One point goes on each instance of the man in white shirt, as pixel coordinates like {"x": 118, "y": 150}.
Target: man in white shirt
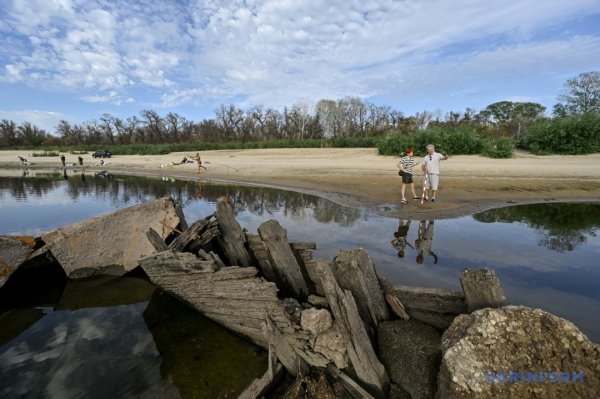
{"x": 431, "y": 166}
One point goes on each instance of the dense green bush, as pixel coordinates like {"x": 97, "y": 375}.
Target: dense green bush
{"x": 461, "y": 140}
{"x": 502, "y": 147}
{"x": 578, "y": 134}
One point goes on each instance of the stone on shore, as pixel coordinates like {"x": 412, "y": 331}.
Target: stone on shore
{"x": 410, "y": 351}
{"x": 112, "y": 243}
{"x": 517, "y": 339}
{"x": 13, "y": 252}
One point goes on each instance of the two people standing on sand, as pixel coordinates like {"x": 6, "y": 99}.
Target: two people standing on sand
{"x": 430, "y": 165}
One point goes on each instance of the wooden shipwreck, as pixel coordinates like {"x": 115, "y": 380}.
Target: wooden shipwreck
{"x": 310, "y": 314}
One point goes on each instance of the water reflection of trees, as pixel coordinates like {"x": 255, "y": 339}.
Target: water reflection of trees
{"x": 563, "y": 226}
{"x": 122, "y": 191}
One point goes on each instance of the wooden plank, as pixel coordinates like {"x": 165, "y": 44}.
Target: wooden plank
{"x": 232, "y": 239}
{"x": 156, "y": 240}
{"x": 348, "y": 383}
{"x": 204, "y": 241}
{"x": 180, "y": 242}
{"x": 431, "y": 299}
{"x": 367, "y": 366}
{"x": 231, "y": 296}
{"x": 482, "y": 289}
{"x": 395, "y": 304}
{"x": 261, "y": 254}
{"x": 302, "y": 246}
{"x": 293, "y": 363}
{"x": 354, "y": 271}
{"x": 183, "y": 226}
{"x": 286, "y": 267}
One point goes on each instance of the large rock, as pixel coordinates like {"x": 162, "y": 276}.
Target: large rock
{"x": 13, "y": 252}
{"x": 489, "y": 344}
{"x": 112, "y": 243}
{"x": 410, "y": 351}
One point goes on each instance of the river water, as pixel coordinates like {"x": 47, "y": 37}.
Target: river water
{"x": 120, "y": 337}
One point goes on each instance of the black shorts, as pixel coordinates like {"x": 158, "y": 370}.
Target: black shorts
{"x": 407, "y": 178}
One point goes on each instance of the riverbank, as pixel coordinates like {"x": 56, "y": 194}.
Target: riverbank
{"x": 360, "y": 177}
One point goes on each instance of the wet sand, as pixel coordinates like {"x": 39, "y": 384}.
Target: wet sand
{"x": 359, "y": 177}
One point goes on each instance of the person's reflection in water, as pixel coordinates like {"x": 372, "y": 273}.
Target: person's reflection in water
{"x": 400, "y": 242}
{"x": 423, "y": 243}
{"x": 65, "y": 174}
{"x": 82, "y": 176}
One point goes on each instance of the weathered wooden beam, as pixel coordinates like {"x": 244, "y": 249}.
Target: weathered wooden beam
{"x": 367, "y": 366}
{"x": 293, "y": 363}
{"x": 301, "y": 246}
{"x": 261, "y": 254}
{"x": 286, "y": 267}
{"x": 392, "y": 300}
{"x": 204, "y": 241}
{"x": 183, "y": 226}
{"x": 482, "y": 289}
{"x": 231, "y": 296}
{"x": 348, "y": 383}
{"x": 431, "y": 299}
{"x": 156, "y": 240}
{"x": 182, "y": 241}
{"x": 308, "y": 267}
{"x": 232, "y": 239}
{"x": 354, "y": 271}
{"x": 211, "y": 256}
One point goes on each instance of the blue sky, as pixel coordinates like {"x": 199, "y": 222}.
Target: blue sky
{"x": 77, "y": 59}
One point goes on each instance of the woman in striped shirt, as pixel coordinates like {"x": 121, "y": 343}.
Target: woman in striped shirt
{"x": 405, "y": 165}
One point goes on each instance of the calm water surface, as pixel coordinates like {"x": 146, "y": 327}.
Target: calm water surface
{"x": 546, "y": 256}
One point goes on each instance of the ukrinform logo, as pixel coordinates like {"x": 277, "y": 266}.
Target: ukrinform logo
{"x": 534, "y": 376}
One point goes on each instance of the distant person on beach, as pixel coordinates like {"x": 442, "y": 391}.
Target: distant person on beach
{"x": 423, "y": 243}
{"x": 80, "y": 160}
{"x": 22, "y": 160}
{"x": 400, "y": 237}
{"x": 199, "y": 160}
{"x": 431, "y": 166}
{"x": 405, "y": 165}
{"x": 62, "y": 159}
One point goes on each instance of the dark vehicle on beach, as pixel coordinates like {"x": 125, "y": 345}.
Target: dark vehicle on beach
{"x": 102, "y": 154}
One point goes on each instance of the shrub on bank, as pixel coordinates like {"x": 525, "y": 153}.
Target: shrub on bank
{"x": 457, "y": 141}
{"x": 579, "y": 134}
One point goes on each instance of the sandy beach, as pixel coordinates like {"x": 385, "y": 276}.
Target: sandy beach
{"x": 360, "y": 177}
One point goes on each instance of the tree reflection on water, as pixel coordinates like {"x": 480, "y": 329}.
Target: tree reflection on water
{"x": 121, "y": 191}
{"x": 562, "y": 226}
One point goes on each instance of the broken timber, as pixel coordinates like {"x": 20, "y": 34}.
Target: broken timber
{"x": 285, "y": 266}
{"x": 232, "y": 238}
{"x": 482, "y": 289}
{"x": 232, "y": 296}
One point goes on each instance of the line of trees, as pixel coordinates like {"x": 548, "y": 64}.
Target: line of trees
{"x": 346, "y": 117}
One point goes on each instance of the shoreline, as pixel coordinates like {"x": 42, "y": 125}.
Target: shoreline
{"x": 360, "y": 178}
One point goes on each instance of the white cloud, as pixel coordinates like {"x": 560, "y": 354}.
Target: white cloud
{"x": 275, "y": 52}
{"x": 43, "y": 119}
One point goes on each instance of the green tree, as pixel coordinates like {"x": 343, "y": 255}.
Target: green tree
{"x": 582, "y": 96}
